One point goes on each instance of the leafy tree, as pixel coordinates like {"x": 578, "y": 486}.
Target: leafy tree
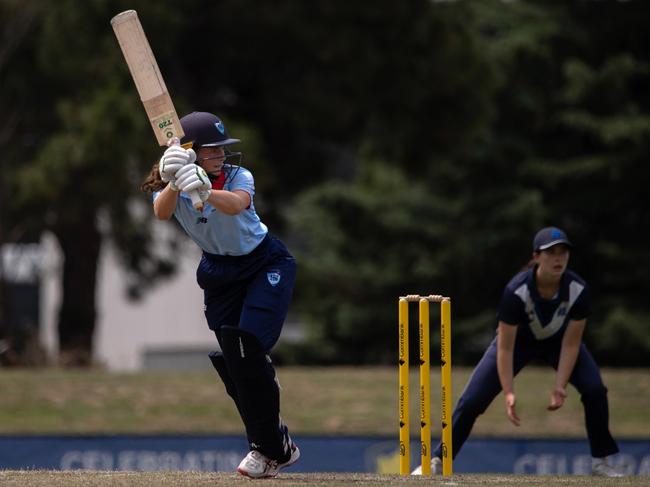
{"x": 566, "y": 131}
{"x": 17, "y": 138}
{"x": 363, "y": 246}
{"x": 81, "y": 142}
{"x": 595, "y": 168}
{"x": 401, "y": 226}
{"x": 321, "y": 78}
{"x": 434, "y": 137}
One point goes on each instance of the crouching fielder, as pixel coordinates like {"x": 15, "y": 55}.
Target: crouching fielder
{"x": 542, "y": 315}
{"x": 247, "y": 277}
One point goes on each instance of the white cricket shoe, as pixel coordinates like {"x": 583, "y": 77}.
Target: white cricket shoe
{"x": 436, "y": 467}
{"x": 257, "y": 466}
{"x": 600, "y": 467}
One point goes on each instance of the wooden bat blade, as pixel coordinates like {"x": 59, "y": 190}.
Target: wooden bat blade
{"x": 149, "y": 82}
{"x": 146, "y": 75}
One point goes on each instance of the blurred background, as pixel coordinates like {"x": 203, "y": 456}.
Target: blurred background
{"x": 397, "y": 147}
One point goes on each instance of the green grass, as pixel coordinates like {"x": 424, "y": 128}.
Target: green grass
{"x": 199, "y": 479}
{"x": 330, "y": 401}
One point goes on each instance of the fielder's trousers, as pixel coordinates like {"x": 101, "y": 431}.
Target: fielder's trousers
{"x": 484, "y": 386}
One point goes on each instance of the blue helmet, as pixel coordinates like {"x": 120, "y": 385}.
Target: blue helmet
{"x": 204, "y": 129}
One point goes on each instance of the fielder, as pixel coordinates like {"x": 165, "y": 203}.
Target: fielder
{"x": 247, "y": 277}
{"x": 542, "y": 315}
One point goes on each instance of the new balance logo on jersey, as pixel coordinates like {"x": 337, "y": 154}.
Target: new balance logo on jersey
{"x": 201, "y": 219}
{"x": 273, "y": 277}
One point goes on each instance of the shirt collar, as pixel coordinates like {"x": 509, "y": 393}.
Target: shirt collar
{"x": 563, "y": 291}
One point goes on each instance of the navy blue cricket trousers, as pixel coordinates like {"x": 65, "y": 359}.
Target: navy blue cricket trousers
{"x": 483, "y": 386}
{"x": 251, "y": 294}
{"x": 252, "y": 291}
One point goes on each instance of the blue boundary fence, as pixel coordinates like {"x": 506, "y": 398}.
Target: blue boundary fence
{"x": 319, "y": 454}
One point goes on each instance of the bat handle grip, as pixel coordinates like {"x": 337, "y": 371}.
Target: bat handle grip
{"x": 194, "y": 195}
{"x": 196, "y": 200}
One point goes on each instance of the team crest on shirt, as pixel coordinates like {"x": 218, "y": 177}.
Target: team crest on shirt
{"x": 273, "y": 277}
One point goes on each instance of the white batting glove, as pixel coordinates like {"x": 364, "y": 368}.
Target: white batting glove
{"x": 192, "y": 177}
{"x": 174, "y": 158}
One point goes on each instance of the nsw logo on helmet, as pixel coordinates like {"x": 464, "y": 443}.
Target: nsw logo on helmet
{"x": 220, "y": 127}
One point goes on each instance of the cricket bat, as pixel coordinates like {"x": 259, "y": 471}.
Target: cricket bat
{"x": 149, "y": 83}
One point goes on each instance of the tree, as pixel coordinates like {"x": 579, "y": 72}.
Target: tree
{"x": 566, "y": 131}
{"x": 78, "y": 101}
{"x": 400, "y": 224}
{"x": 321, "y": 79}
{"x": 595, "y": 169}
{"x": 17, "y": 22}
{"x": 484, "y": 116}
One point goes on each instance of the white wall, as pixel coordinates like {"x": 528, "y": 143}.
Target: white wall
{"x": 171, "y": 315}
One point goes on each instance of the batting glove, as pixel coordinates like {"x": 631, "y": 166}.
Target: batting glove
{"x": 174, "y": 158}
{"x": 192, "y": 177}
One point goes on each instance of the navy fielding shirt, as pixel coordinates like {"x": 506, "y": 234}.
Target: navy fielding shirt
{"x": 539, "y": 318}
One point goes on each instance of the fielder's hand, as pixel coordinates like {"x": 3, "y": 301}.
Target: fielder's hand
{"x": 192, "y": 177}
{"x": 557, "y": 398}
{"x": 174, "y": 158}
{"x": 510, "y": 409}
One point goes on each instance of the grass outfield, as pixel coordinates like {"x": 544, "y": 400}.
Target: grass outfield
{"x": 320, "y": 401}
{"x": 197, "y": 479}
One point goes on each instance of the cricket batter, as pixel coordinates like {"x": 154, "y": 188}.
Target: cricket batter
{"x": 542, "y": 315}
{"x": 247, "y": 277}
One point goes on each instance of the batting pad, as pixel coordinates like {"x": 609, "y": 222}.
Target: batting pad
{"x": 219, "y": 363}
{"x": 257, "y": 391}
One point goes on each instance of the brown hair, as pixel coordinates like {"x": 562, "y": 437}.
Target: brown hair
{"x": 531, "y": 263}
{"x": 153, "y": 182}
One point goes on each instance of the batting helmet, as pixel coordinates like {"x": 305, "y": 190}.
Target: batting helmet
{"x": 205, "y": 130}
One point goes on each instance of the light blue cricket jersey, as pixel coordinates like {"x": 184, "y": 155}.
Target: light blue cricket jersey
{"x": 218, "y": 233}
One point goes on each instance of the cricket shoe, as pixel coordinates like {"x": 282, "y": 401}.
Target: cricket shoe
{"x": 602, "y": 468}
{"x": 436, "y": 467}
{"x": 257, "y": 466}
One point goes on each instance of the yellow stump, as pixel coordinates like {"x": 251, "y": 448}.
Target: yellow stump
{"x": 425, "y": 389}
{"x": 404, "y": 428}
{"x": 445, "y": 385}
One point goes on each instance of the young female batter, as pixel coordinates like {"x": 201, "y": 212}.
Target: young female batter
{"x": 247, "y": 277}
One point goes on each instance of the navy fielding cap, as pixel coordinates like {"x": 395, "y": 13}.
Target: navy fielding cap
{"x": 548, "y": 237}
{"x": 205, "y": 130}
